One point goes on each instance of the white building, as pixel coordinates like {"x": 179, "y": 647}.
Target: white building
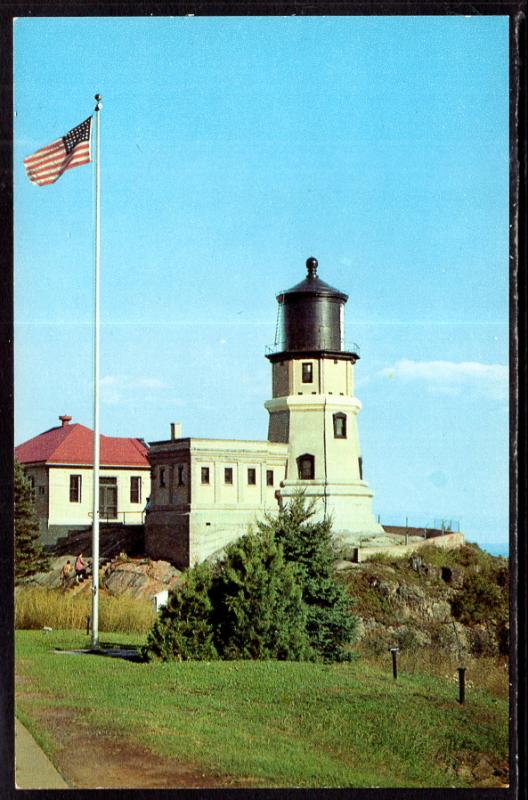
{"x": 59, "y": 464}
{"x": 205, "y": 492}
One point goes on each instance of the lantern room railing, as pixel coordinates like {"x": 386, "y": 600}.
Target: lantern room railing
{"x": 280, "y": 346}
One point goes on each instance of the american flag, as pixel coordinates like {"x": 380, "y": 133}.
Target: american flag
{"x": 47, "y": 164}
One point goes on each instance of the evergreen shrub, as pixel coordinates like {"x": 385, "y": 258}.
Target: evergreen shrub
{"x": 274, "y": 595}
{"x": 308, "y": 546}
{"x": 29, "y": 556}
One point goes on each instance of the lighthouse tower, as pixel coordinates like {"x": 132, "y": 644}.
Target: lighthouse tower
{"x": 314, "y": 409}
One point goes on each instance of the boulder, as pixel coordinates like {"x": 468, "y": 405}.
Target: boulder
{"x": 139, "y": 578}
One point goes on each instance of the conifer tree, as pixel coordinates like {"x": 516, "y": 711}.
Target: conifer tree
{"x": 308, "y": 545}
{"x": 183, "y": 628}
{"x": 29, "y": 556}
{"x": 248, "y": 606}
{"x": 258, "y": 610}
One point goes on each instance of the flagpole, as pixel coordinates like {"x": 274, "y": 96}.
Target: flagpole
{"x": 96, "y": 437}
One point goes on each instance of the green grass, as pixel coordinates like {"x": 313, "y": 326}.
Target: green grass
{"x": 277, "y": 723}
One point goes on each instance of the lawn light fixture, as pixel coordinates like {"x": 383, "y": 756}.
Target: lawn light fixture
{"x": 394, "y": 651}
{"x": 461, "y": 685}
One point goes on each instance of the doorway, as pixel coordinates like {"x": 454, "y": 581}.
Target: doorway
{"x": 108, "y": 498}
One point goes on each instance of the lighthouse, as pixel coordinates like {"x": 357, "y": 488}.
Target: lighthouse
{"x": 314, "y": 409}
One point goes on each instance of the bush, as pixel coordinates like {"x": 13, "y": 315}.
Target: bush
{"x": 479, "y": 600}
{"x": 273, "y": 595}
{"x": 183, "y": 628}
{"x": 258, "y": 608}
{"x": 308, "y": 546}
{"x": 248, "y": 606}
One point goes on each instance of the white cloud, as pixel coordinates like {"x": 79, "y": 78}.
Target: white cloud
{"x": 454, "y": 378}
{"x": 117, "y": 388}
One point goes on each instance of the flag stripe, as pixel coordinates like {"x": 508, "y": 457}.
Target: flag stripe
{"x": 40, "y": 154}
{"x": 46, "y": 165}
{"x": 81, "y": 152}
{"x": 45, "y": 177}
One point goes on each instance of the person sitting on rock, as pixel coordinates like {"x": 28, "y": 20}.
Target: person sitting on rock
{"x": 80, "y": 568}
{"x": 66, "y": 575}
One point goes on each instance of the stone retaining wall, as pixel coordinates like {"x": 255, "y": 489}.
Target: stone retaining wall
{"x": 447, "y": 541}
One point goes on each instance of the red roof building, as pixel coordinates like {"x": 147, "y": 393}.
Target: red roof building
{"x": 59, "y": 464}
{"x": 73, "y": 444}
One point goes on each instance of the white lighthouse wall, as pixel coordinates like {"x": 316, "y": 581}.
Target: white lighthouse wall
{"x": 310, "y": 408}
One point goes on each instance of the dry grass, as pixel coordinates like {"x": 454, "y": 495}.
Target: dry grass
{"x": 38, "y": 607}
{"x": 489, "y": 674}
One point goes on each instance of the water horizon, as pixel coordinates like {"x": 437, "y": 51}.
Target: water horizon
{"x": 495, "y": 548}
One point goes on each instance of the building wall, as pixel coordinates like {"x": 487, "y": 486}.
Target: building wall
{"x": 64, "y": 512}
{"x": 310, "y": 409}
{"x": 167, "y": 536}
{"x": 332, "y": 376}
{"x": 188, "y": 529}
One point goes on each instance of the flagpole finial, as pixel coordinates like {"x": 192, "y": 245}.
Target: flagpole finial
{"x": 98, "y": 105}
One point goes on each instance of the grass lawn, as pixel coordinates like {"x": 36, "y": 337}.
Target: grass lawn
{"x": 268, "y": 723}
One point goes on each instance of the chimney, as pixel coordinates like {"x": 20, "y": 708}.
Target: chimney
{"x": 65, "y": 419}
{"x": 175, "y": 430}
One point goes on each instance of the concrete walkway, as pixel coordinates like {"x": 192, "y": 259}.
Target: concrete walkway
{"x": 33, "y": 769}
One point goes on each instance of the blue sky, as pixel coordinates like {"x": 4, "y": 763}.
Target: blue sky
{"x": 233, "y": 149}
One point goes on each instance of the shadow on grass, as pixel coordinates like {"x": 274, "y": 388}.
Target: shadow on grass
{"x": 126, "y": 651}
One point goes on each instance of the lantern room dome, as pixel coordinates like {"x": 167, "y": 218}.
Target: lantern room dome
{"x": 312, "y": 285}
{"x": 311, "y": 319}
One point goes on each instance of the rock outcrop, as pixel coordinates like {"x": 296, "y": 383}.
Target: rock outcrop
{"x": 139, "y": 577}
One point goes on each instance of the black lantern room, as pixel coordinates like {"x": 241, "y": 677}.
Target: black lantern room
{"x": 312, "y": 319}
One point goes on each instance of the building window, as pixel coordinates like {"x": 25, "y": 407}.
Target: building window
{"x": 162, "y": 477}
{"x": 135, "y": 489}
{"x": 41, "y": 490}
{"x": 228, "y": 475}
{"x": 252, "y": 476}
{"x": 180, "y": 475}
{"x": 306, "y": 464}
{"x": 307, "y": 372}
{"x": 340, "y": 427}
{"x": 75, "y": 488}
{"x": 269, "y": 477}
{"x": 205, "y": 474}
{"x": 360, "y": 462}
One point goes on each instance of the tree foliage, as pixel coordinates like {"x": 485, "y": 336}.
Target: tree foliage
{"x": 273, "y": 595}
{"x": 308, "y": 546}
{"x": 183, "y": 629}
{"x": 29, "y": 556}
{"x": 258, "y": 610}
{"x": 482, "y": 598}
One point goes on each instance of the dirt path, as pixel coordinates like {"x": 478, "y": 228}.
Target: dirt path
{"x": 91, "y": 759}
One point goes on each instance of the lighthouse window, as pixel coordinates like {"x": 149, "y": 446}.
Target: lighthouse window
{"x": 340, "y": 431}
{"x": 252, "y": 476}
{"x": 180, "y": 475}
{"x": 162, "y": 477}
{"x": 306, "y": 464}
{"x": 307, "y": 372}
{"x": 205, "y": 474}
